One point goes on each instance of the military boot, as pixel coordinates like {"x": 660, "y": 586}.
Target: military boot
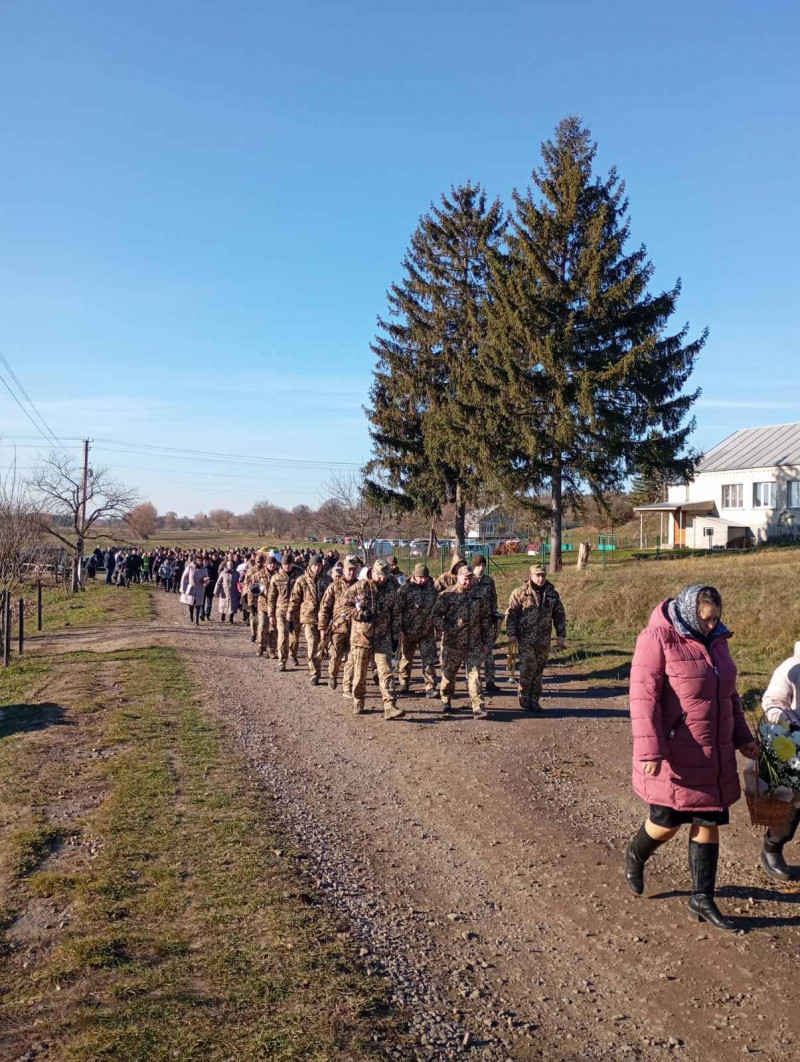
{"x": 333, "y": 683}
{"x": 358, "y": 707}
{"x": 393, "y": 712}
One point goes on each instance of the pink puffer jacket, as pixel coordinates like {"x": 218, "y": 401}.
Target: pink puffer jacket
{"x": 672, "y": 675}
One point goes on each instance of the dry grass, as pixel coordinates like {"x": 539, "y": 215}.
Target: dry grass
{"x": 607, "y": 608}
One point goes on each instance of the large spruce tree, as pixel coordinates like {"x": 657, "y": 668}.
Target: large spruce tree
{"x": 580, "y": 383}
{"x": 422, "y": 427}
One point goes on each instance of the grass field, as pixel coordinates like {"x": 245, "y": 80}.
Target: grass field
{"x": 150, "y": 905}
{"x": 607, "y": 608}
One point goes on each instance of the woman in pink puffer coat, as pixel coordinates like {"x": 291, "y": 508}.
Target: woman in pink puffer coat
{"x": 687, "y": 725}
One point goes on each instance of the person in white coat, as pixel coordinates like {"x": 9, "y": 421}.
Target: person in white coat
{"x": 193, "y": 587}
{"x": 781, "y": 704}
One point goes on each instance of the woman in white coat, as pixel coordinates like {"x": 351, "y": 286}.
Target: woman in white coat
{"x": 227, "y": 592}
{"x": 193, "y": 585}
{"x": 781, "y": 704}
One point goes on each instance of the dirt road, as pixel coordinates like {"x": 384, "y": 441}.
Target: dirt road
{"x": 480, "y": 863}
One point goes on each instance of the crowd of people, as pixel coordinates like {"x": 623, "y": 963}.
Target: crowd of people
{"x": 687, "y": 716}
{"x": 373, "y": 619}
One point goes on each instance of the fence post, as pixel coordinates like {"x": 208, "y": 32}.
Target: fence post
{"x": 21, "y": 625}
{"x": 6, "y": 628}
{"x": 39, "y": 607}
{"x": 3, "y": 627}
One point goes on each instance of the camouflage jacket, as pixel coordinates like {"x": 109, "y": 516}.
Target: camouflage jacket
{"x": 382, "y": 627}
{"x": 462, "y": 619}
{"x": 307, "y": 596}
{"x": 281, "y": 586}
{"x": 531, "y": 615}
{"x": 416, "y": 601}
{"x": 263, "y": 598}
{"x": 485, "y": 588}
{"x": 254, "y": 574}
{"x": 330, "y": 611}
{"x": 450, "y": 577}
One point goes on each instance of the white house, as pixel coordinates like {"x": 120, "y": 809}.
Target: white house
{"x": 747, "y": 489}
{"x": 488, "y": 525}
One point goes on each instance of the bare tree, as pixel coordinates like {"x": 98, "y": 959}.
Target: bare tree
{"x": 59, "y": 483}
{"x": 21, "y": 536}
{"x": 347, "y": 511}
{"x": 142, "y": 518}
{"x": 260, "y": 517}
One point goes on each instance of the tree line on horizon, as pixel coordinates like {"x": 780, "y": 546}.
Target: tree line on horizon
{"x": 523, "y": 357}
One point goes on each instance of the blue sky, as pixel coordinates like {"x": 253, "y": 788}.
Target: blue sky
{"x": 204, "y": 204}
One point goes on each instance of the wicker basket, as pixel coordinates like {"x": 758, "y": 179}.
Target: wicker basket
{"x": 766, "y": 810}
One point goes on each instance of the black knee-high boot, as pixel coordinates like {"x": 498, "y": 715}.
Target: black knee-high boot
{"x": 191, "y": 613}
{"x": 703, "y": 861}
{"x": 772, "y": 861}
{"x": 639, "y": 851}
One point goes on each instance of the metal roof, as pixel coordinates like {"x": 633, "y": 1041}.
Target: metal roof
{"x": 671, "y": 507}
{"x": 755, "y": 448}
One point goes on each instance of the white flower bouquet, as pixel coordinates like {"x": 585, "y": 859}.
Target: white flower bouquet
{"x": 772, "y": 783}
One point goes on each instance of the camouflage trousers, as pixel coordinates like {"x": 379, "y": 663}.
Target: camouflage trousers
{"x": 453, "y": 659}
{"x": 253, "y": 621}
{"x": 266, "y": 635}
{"x": 361, "y": 659}
{"x": 488, "y": 660}
{"x": 341, "y": 657}
{"x": 288, "y": 641}
{"x": 427, "y": 655}
{"x": 313, "y": 649}
{"x": 532, "y": 660}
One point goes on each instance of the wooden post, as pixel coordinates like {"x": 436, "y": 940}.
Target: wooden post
{"x": 21, "y": 624}
{"x": 584, "y": 549}
{"x": 7, "y": 628}
{"x": 39, "y": 607}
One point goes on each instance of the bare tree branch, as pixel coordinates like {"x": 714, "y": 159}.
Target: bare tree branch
{"x": 60, "y": 482}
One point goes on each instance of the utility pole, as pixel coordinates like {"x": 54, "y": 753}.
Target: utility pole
{"x": 82, "y": 518}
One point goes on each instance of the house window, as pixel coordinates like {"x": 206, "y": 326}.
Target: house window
{"x": 793, "y": 494}
{"x": 733, "y": 496}
{"x": 763, "y": 495}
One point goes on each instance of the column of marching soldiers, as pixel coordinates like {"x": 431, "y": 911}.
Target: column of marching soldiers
{"x": 363, "y": 617}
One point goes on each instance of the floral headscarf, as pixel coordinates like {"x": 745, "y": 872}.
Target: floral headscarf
{"x": 682, "y": 612}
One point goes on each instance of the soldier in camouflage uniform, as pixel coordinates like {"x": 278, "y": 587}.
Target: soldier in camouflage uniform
{"x": 253, "y": 577}
{"x": 371, "y": 606}
{"x": 415, "y": 599}
{"x": 461, "y": 618}
{"x": 280, "y": 615}
{"x": 533, "y": 610}
{"x": 267, "y": 633}
{"x": 450, "y": 577}
{"x": 335, "y": 628}
{"x": 306, "y": 599}
{"x": 485, "y": 588}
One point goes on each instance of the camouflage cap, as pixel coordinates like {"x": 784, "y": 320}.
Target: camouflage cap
{"x": 538, "y": 569}
{"x": 381, "y": 567}
{"x": 351, "y": 565}
{"x": 315, "y": 559}
{"x": 420, "y": 570}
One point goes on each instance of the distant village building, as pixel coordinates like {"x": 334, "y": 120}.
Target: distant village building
{"x": 489, "y": 525}
{"x": 747, "y": 490}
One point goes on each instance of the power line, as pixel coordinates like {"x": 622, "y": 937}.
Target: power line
{"x": 24, "y": 410}
{"x": 117, "y": 446}
{"x": 28, "y": 398}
